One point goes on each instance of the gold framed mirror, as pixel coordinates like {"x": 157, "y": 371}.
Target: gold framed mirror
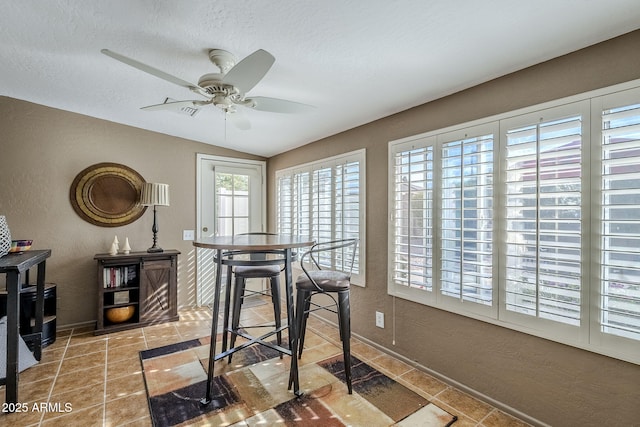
{"x": 107, "y": 194}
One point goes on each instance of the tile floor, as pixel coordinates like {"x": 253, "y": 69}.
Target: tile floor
{"x": 88, "y": 380}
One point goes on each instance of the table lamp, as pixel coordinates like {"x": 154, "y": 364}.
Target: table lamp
{"x": 154, "y": 194}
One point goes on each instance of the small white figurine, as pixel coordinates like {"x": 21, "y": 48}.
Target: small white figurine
{"x": 126, "y": 249}
{"x": 114, "y": 249}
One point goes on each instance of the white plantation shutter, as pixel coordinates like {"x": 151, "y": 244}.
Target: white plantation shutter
{"x": 347, "y": 207}
{"x": 322, "y": 205}
{"x": 325, "y": 201}
{"x": 467, "y": 219}
{"x": 322, "y": 211}
{"x": 529, "y": 220}
{"x": 301, "y": 205}
{"x": 543, "y": 219}
{"x": 620, "y": 223}
{"x": 284, "y": 200}
{"x": 412, "y": 217}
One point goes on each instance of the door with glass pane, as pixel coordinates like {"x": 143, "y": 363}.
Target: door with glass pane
{"x": 230, "y": 201}
{"x": 234, "y": 198}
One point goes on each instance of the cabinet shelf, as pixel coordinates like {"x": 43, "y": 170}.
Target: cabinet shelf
{"x": 121, "y": 288}
{"x": 146, "y": 281}
{"x": 28, "y": 310}
{"x": 125, "y": 304}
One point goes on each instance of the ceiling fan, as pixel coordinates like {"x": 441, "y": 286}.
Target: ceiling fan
{"x": 226, "y": 89}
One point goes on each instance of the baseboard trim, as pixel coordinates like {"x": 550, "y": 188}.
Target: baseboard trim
{"x": 62, "y": 328}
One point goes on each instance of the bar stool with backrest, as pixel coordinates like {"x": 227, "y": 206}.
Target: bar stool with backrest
{"x": 317, "y": 279}
{"x": 240, "y": 292}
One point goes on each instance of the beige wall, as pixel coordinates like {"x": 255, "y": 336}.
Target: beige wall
{"x": 43, "y": 149}
{"x": 556, "y": 384}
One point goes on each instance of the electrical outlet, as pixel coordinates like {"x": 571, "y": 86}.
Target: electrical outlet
{"x": 379, "y": 319}
{"x": 187, "y": 235}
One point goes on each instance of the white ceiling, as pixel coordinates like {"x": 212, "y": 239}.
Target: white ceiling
{"x": 355, "y": 60}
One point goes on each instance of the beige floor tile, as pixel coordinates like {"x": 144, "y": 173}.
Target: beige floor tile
{"x": 53, "y": 353}
{"x": 85, "y": 338}
{"x": 161, "y": 342}
{"x": 125, "y": 339}
{"x": 82, "y": 349}
{"x": 420, "y": 381}
{"x": 125, "y": 352}
{"x": 88, "y": 417}
{"x": 463, "y": 403}
{"x": 121, "y": 368}
{"x": 78, "y": 399}
{"x": 89, "y": 361}
{"x": 35, "y": 391}
{"x": 130, "y": 407}
{"x": 26, "y": 417}
{"x": 38, "y": 372}
{"x": 499, "y": 419}
{"x": 390, "y": 366}
{"x": 364, "y": 351}
{"x": 78, "y": 379}
{"x": 123, "y": 386}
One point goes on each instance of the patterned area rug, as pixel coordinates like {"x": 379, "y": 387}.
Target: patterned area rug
{"x": 252, "y": 391}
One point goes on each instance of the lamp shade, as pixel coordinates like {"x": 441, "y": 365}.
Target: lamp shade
{"x": 154, "y": 194}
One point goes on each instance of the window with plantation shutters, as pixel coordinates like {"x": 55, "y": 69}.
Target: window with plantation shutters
{"x": 412, "y": 217}
{"x": 325, "y": 200}
{"x": 543, "y": 215}
{"x": 467, "y": 219}
{"x": 620, "y": 222}
{"x": 529, "y": 220}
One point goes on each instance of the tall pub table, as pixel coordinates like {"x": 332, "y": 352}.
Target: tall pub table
{"x": 227, "y": 250}
{"x": 14, "y": 266}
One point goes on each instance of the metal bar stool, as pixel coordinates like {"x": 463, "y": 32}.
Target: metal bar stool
{"x": 318, "y": 279}
{"x": 258, "y": 268}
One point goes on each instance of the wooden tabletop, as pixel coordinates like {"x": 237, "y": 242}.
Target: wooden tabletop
{"x": 255, "y": 242}
{"x": 22, "y": 261}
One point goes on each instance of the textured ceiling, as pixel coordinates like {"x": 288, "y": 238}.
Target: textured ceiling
{"x": 355, "y": 61}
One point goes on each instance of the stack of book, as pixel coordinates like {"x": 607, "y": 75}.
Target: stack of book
{"x": 117, "y": 277}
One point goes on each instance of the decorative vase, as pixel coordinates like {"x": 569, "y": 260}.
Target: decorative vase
{"x": 120, "y": 314}
{"x": 5, "y": 236}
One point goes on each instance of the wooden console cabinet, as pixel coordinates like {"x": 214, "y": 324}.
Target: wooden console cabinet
{"x": 147, "y": 282}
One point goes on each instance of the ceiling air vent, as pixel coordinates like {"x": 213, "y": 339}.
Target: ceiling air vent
{"x": 188, "y": 110}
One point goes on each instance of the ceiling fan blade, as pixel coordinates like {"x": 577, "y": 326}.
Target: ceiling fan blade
{"x": 239, "y": 120}
{"x": 173, "y": 106}
{"x": 276, "y": 105}
{"x": 153, "y": 71}
{"x": 248, "y": 72}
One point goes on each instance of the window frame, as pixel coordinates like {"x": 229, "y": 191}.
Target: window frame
{"x": 587, "y": 335}
{"x": 358, "y": 276}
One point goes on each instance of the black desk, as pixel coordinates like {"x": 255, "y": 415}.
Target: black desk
{"x": 14, "y": 265}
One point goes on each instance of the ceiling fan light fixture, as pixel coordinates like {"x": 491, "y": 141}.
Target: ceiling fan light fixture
{"x": 221, "y": 101}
